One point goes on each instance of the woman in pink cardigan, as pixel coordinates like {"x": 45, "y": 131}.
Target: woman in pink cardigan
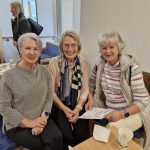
{"x": 69, "y": 73}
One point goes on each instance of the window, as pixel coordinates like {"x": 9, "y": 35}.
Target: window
{"x": 68, "y": 15}
{"x": 65, "y": 15}
{"x": 29, "y": 7}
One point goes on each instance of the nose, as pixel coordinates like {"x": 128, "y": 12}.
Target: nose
{"x": 107, "y": 49}
{"x": 32, "y": 51}
{"x": 70, "y": 48}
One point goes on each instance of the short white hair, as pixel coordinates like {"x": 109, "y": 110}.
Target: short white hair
{"x": 111, "y": 37}
{"x": 32, "y": 36}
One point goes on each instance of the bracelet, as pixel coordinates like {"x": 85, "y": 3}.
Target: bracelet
{"x": 79, "y": 106}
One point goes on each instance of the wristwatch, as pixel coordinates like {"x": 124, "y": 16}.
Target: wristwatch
{"x": 45, "y": 113}
{"x": 126, "y": 113}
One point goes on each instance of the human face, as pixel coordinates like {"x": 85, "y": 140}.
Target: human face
{"x": 13, "y": 10}
{"x": 70, "y": 48}
{"x": 110, "y": 53}
{"x": 30, "y": 51}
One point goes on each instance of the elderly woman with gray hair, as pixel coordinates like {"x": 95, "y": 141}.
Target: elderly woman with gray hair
{"x": 25, "y": 100}
{"x": 20, "y": 24}
{"x": 117, "y": 83}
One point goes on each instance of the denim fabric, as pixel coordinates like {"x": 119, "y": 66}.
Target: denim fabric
{"x": 5, "y": 142}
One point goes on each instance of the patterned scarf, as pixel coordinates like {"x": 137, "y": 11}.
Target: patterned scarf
{"x": 69, "y": 93}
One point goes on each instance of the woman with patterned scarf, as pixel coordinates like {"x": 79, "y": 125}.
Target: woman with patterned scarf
{"x": 69, "y": 73}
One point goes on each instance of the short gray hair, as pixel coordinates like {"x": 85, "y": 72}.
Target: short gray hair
{"x": 111, "y": 37}
{"x": 32, "y": 36}
{"x": 18, "y": 6}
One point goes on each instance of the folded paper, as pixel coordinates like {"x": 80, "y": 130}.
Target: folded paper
{"x": 95, "y": 113}
{"x": 101, "y": 133}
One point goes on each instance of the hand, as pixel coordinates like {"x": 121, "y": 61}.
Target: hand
{"x": 68, "y": 112}
{"x": 75, "y": 115}
{"x": 39, "y": 122}
{"x": 89, "y": 105}
{"x": 114, "y": 116}
{"x": 36, "y": 131}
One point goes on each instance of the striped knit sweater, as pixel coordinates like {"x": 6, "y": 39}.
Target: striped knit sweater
{"x": 111, "y": 85}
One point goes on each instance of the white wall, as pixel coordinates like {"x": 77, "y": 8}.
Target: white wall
{"x": 130, "y": 17}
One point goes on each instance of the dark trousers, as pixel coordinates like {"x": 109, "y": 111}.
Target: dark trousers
{"x": 73, "y": 133}
{"x": 50, "y": 139}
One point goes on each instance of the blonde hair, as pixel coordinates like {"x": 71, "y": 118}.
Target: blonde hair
{"x": 18, "y": 7}
{"x": 72, "y": 34}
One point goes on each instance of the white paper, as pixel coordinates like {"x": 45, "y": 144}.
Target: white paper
{"x": 95, "y": 113}
{"x": 101, "y": 133}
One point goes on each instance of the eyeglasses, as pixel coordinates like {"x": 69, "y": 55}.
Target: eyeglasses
{"x": 72, "y": 45}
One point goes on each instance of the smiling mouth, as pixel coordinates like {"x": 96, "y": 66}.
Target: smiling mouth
{"x": 108, "y": 55}
{"x": 70, "y": 53}
{"x": 32, "y": 58}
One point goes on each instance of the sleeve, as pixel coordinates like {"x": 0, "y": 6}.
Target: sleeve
{"x": 9, "y": 114}
{"x": 139, "y": 91}
{"x": 53, "y": 71}
{"x": 49, "y": 99}
{"x": 85, "y": 81}
{"x": 92, "y": 81}
{"x": 25, "y": 26}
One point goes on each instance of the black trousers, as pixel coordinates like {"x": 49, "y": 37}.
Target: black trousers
{"x": 73, "y": 133}
{"x": 50, "y": 139}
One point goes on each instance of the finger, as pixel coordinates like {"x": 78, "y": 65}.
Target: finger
{"x": 43, "y": 120}
{"x": 40, "y": 125}
{"x": 86, "y": 107}
{"x": 33, "y": 132}
{"x": 90, "y": 107}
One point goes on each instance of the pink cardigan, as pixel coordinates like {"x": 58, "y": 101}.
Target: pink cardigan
{"x": 54, "y": 71}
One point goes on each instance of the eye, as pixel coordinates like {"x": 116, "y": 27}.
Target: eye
{"x": 74, "y": 45}
{"x": 36, "y": 49}
{"x": 104, "y": 48}
{"x": 66, "y": 45}
{"x": 111, "y": 47}
{"x": 28, "y": 48}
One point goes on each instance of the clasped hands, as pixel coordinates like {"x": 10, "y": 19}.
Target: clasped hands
{"x": 72, "y": 115}
{"x": 37, "y": 125}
